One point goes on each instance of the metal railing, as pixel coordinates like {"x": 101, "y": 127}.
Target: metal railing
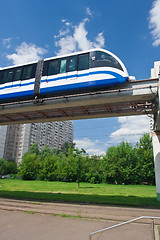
{"x": 127, "y": 222}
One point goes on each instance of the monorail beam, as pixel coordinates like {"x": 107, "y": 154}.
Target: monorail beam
{"x": 42, "y": 117}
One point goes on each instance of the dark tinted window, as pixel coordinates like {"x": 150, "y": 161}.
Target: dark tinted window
{"x": 33, "y": 73}
{"x": 18, "y": 74}
{"x": 102, "y": 56}
{"x": 72, "y": 64}
{"x": 102, "y": 59}
{"x": 63, "y": 65}
{"x": 27, "y": 72}
{"x": 10, "y": 75}
{"x": 83, "y": 62}
{"x": 45, "y": 68}
{"x": 53, "y": 67}
{"x": 3, "y": 76}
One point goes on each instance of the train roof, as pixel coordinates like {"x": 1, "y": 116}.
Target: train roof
{"x": 68, "y": 55}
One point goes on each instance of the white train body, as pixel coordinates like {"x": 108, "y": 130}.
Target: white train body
{"x": 62, "y": 75}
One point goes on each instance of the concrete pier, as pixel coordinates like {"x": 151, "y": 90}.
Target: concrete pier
{"x": 156, "y": 151}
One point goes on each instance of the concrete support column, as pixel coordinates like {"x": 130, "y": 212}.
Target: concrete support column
{"x": 156, "y": 152}
{"x": 155, "y": 73}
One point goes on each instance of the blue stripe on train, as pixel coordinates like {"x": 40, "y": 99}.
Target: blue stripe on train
{"x": 17, "y": 94}
{"x": 23, "y": 84}
{"x": 118, "y": 76}
{"x": 91, "y": 84}
{"x": 96, "y": 83}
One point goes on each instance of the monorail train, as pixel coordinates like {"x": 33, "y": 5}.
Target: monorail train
{"x": 85, "y": 71}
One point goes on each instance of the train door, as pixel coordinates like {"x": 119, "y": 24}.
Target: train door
{"x": 17, "y": 78}
{"x": 62, "y": 71}
{"x": 9, "y": 79}
{"x": 72, "y": 72}
{"x": 83, "y": 71}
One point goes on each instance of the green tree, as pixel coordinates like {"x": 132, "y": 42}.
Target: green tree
{"x": 119, "y": 163}
{"x": 46, "y": 151}
{"x": 34, "y": 149}
{"x": 66, "y": 146}
{"x": 48, "y": 167}
{"x": 80, "y": 158}
{"x": 3, "y": 166}
{"x": 12, "y": 167}
{"x": 94, "y": 173}
{"x": 71, "y": 165}
{"x": 145, "y": 160}
{"x": 29, "y": 167}
{"x": 61, "y": 167}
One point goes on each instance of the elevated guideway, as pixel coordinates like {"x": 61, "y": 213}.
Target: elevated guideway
{"x": 133, "y": 98}
{"x": 140, "y": 97}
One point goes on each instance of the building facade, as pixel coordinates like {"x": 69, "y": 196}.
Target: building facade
{"x": 20, "y": 137}
{"x": 3, "y": 132}
{"x": 53, "y": 134}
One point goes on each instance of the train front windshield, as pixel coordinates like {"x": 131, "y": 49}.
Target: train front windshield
{"x": 102, "y": 59}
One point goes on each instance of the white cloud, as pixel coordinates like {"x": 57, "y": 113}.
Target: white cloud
{"x": 80, "y": 36}
{"x": 6, "y": 42}
{"x": 67, "y": 44}
{"x": 88, "y": 11}
{"x": 154, "y": 22}
{"x": 99, "y": 41}
{"x": 131, "y": 129}
{"x": 26, "y": 53}
{"x": 73, "y": 38}
{"x": 66, "y": 22}
{"x": 91, "y": 147}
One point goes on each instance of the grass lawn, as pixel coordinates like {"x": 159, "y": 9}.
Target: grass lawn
{"x": 127, "y": 195}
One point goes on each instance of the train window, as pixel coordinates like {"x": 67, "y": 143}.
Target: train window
{"x": 53, "y": 67}
{"x": 83, "y": 62}
{"x": 10, "y": 76}
{"x": 45, "y": 68}
{"x": 63, "y": 65}
{"x": 3, "y": 76}
{"x": 102, "y": 56}
{"x": 27, "y": 70}
{"x": 72, "y": 65}
{"x": 18, "y": 74}
{"x": 102, "y": 59}
{"x": 33, "y": 72}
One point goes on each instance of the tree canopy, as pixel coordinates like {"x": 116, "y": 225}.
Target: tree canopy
{"x": 122, "y": 164}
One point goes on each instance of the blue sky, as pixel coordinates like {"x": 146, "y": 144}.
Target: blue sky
{"x": 32, "y": 30}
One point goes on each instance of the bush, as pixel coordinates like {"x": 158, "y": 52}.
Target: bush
{"x": 12, "y": 167}
{"x": 29, "y": 168}
{"x": 3, "y": 166}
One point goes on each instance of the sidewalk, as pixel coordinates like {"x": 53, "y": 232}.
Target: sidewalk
{"x": 85, "y": 211}
{"x": 15, "y": 223}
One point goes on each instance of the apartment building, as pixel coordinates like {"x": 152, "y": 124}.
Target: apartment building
{"x": 54, "y": 134}
{"x": 3, "y": 131}
{"x": 20, "y": 137}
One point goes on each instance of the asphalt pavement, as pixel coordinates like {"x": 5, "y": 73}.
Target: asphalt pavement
{"x": 39, "y": 220}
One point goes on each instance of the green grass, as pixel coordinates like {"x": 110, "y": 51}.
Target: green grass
{"x": 126, "y": 195}
{"x": 30, "y": 212}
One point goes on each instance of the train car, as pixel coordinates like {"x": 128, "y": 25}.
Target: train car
{"x": 85, "y": 71}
